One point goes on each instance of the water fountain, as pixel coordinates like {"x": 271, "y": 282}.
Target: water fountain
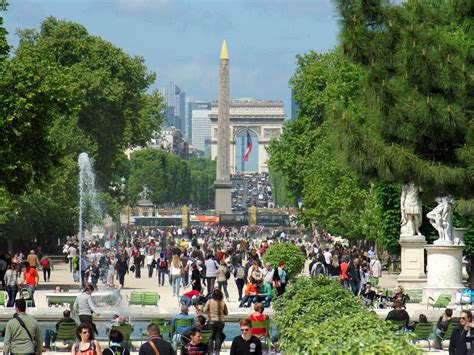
{"x": 87, "y": 200}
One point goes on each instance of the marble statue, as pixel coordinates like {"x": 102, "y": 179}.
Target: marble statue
{"x": 411, "y": 211}
{"x": 145, "y": 193}
{"x": 441, "y": 218}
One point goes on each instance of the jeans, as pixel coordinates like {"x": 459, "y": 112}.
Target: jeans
{"x": 32, "y": 293}
{"x": 240, "y": 286}
{"x": 223, "y": 285}
{"x": 150, "y": 271}
{"x": 355, "y": 286}
{"x": 161, "y": 276}
{"x": 217, "y": 337}
{"x": 246, "y": 301}
{"x": 11, "y": 291}
{"x": 186, "y": 301}
{"x": 75, "y": 275}
{"x": 210, "y": 281}
{"x": 176, "y": 282}
{"x": 345, "y": 283}
{"x": 46, "y": 274}
{"x": 185, "y": 279}
{"x": 49, "y": 336}
{"x": 264, "y": 299}
{"x": 121, "y": 277}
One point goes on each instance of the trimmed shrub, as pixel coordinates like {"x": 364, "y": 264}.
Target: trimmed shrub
{"x": 318, "y": 316}
{"x": 289, "y": 253}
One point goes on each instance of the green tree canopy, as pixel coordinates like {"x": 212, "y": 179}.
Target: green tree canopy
{"x": 414, "y": 116}
{"x": 103, "y": 90}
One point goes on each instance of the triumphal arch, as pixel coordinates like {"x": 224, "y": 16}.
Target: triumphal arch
{"x": 262, "y": 119}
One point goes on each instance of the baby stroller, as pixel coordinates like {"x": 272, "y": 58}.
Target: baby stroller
{"x": 26, "y": 294}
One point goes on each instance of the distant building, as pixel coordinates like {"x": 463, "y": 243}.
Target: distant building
{"x": 175, "y": 100}
{"x": 261, "y": 119}
{"x": 294, "y": 107}
{"x": 201, "y": 125}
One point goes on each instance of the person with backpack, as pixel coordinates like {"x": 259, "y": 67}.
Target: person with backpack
{"x": 116, "y": 348}
{"x": 47, "y": 266}
{"x": 162, "y": 269}
{"x": 318, "y": 268}
{"x": 86, "y": 344}
{"x": 239, "y": 276}
{"x": 222, "y": 275}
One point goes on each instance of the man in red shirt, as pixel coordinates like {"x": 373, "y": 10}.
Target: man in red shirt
{"x": 31, "y": 280}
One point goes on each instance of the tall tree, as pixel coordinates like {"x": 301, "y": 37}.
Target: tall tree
{"x": 333, "y": 196}
{"x": 106, "y": 91}
{"x": 414, "y": 119}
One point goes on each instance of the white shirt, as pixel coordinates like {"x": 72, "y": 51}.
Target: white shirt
{"x": 211, "y": 267}
{"x": 327, "y": 257}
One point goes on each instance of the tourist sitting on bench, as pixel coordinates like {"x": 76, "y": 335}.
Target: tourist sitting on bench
{"x": 264, "y": 294}
{"x": 398, "y": 313}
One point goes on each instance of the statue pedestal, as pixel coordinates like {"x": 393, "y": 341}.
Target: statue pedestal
{"x": 412, "y": 262}
{"x": 444, "y": 270}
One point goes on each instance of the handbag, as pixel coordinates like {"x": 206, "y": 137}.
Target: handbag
{"x": 132, "y": 268}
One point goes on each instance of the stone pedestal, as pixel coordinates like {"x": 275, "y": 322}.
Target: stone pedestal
{"x": 412, "y": 262}
{"x": 223, "y": 196}
{"x": 444, "y": 270}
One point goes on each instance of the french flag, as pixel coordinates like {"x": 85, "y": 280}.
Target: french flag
{"x": 249, "y": 147}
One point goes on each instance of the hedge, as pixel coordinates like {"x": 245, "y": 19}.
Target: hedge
{"x": 318, "y": 316}
{"x": 289, "y": 253}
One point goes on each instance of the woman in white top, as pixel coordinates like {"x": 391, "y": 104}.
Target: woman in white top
{"x": 211, "y": 271}
{"x": 176, "y": 270}
{"x": 150, "y": 263}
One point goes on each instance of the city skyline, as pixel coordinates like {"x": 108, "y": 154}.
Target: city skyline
{"x": 180, "y": 40}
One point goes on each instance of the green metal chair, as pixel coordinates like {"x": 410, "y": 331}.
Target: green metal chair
{"x": 66, "y": 333}
{"x": 166, "y": 330}
{"x": 449, "y": 331}
{"x": 441, "y": 302}
{"x": 126, "y": 330}
{"x": 178, "y": 323}
{"x": 206, "y": 335}
{"x": 267, "y": 339}
{"x": 136, "y": 298}
{"x": 150, "y": 298}
{"x": 3, "y": 298}
{"x": 423, "y": 331}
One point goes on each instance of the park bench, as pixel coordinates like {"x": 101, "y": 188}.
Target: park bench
{"x": 150, "y": 299}
{"x": 441, "y": 302}
{"x": 135, "y": 298}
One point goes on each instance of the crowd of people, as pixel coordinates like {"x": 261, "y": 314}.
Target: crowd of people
{"x": 197, "y": 264}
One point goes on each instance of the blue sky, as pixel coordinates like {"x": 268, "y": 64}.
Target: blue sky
{"x": 180, "y": 40}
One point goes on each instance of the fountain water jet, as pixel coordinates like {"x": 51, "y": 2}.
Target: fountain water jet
{"x": 87, "y": 198}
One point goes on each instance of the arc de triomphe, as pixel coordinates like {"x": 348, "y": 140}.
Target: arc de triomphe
{"x": 263, "y": 118}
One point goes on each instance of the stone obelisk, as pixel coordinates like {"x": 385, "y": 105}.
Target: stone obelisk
{"x": 223, "y": 185}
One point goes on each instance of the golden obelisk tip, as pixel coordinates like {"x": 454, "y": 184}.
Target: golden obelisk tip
{"x": 224, "y": 53}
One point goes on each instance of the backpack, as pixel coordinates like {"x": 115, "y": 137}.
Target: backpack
{"x": 318, "y": 269}
{"x": 240, "y": 273}
{"x": 45, "y": 263}
{"x": 162, "y": 263}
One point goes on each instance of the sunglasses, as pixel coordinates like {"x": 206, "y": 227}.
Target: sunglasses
{"x": 463, "y": 317}
{"x": 244, "y": 329}
{"x": 85, "y": 332}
